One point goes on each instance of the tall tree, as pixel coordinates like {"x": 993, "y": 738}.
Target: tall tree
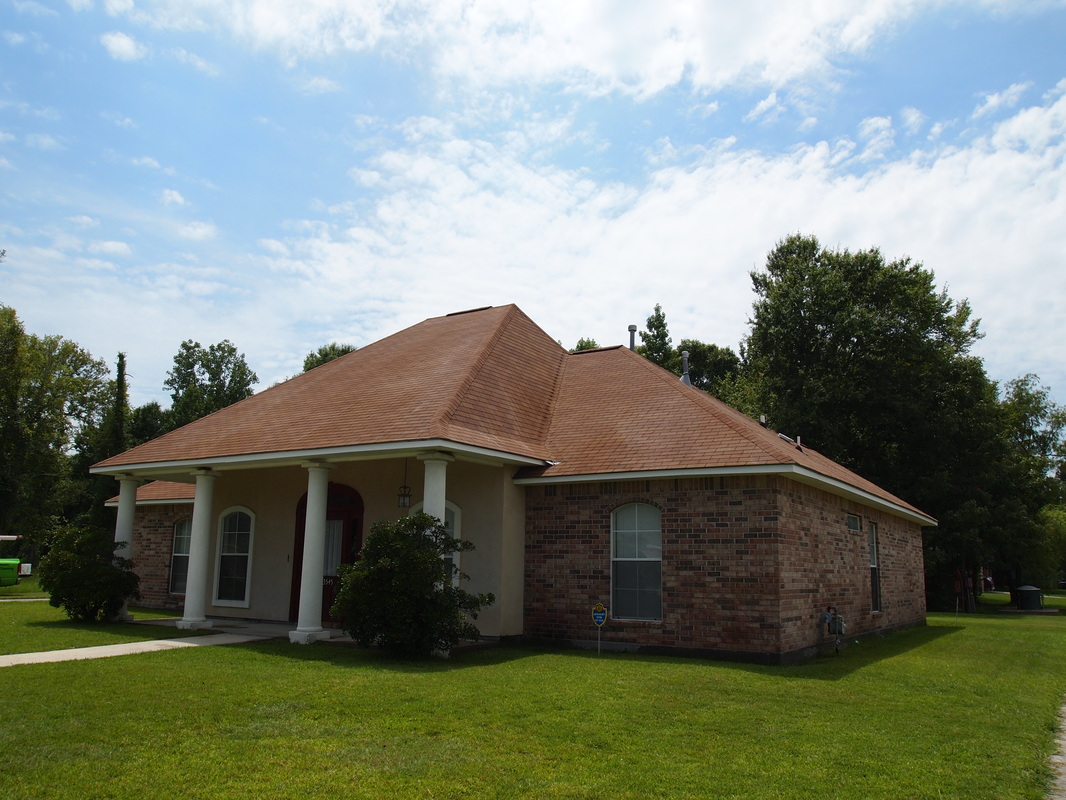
{"x": 51, "y": 390}
{"x": 584, "y": 344}
{"x": 708, "y": 364}
{"x": 206, "y": 380}
{"x": 871, "y": 364}
{"x": 325, "y": 354}
{"x": 655, "y": 341}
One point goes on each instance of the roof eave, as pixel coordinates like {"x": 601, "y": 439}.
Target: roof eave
{"x": 363, "y": 452}
{"x": 792, "y": 471}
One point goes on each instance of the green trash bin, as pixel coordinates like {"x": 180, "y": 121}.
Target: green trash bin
{"x": 9, "y": 571}
{"x": 1029, "y": 598}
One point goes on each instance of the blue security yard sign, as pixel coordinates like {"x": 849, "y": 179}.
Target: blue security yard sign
{"x": 599, "y": 614}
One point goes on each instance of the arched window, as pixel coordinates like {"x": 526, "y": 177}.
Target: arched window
{"x": 636, "y": 562}
{"x": 234, "y": 567}
{"x": 179, "y": 559}
{"x": 453, "y": 523}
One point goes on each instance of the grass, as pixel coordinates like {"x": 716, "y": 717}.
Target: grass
{"x": 25, "y": 588}
{"x": 37, "y": 627}
{"x": 952, "y": 710}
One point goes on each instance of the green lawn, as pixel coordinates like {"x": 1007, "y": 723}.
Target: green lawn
{"x": 964, "y": 710}
{"x": 25, "y": 588}
{"x": 36, "y": 627}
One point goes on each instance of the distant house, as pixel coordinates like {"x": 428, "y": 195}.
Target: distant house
{"x": 581, "y": 478}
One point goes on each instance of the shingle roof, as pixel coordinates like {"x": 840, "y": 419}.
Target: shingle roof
{"x": 491, "y": 378}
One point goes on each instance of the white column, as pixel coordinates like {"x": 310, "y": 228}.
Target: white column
{"x": 309, "y": 622}
{"x": 127, "y": 509}
{"x": 434, "y": 492}
{"x": 196, "y": 586}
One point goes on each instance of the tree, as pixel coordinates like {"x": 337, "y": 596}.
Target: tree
{"x": 655, "y": 341}
{"x": 206, "y": 380}
{"x": 325, "y": 354}
{"x": 708, "y": 364}
{"x": 83, "y": 576}
{"x": 51, "y": 391}
{"x": 871, "y": 365}
{"x": 584, "y": 344}
{"x": 147, "y": 422}
{"x": 400, "y": 595}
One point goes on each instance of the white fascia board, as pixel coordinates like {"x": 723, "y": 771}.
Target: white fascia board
{"x": 792, "y": 471}
{"x": 365, "y": 452}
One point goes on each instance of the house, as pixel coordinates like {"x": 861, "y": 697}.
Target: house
{"x": 581, "y": 478}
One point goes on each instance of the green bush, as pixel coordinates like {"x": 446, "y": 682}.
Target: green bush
{"x": 83, "y": 576}
{"x": 399, "y": 595}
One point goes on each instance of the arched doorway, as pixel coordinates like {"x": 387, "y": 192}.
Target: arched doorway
{"x": 344, "y": 537}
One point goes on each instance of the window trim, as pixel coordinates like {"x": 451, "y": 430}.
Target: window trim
{"x": 174, "y": 554}
{"x": 875, "y": 567}
{"x": 247, "y": 601}
{"x": 615, "y": 560}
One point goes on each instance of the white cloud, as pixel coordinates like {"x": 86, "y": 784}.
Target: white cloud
{"x": 638, "y": 49}
{"x": 43, "y": 141}
{"x": 766, "y": 110}
{"x": 193, "y": 60}
{"x": 122, "y": 47}
{"x": 318, "y": 85}
{"x": 5, "y": 164}
{"x": 34, "y": 9}
{"x": 197, "y": 231}
{"x": 913, "y": 120}
{"x": 84, "y": 221}
{"x": 110, "y": 248}
{"x": 14, "y": 39}
{"x": 991, "y": 103}
{"x": 145, "y": 161}
{"x": 80, "y": 5}
{"x": 171, "y": 197}
{"x": 879, "y": 136}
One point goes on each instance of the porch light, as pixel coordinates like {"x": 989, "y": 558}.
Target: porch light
{"x": 403, "y": 497}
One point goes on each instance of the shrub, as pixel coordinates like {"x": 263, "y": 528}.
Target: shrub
{"x": 399, "y": 594}
{"x": 83, "y": 575}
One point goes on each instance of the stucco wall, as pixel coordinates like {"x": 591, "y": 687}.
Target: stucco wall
{"x": 748, "y": 564}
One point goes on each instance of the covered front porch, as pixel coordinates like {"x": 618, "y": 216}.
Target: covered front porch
{"x": 263, "y": 539}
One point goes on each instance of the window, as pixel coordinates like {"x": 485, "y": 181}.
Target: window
{"x": 636, "y": 562}
{"x": 855, "y": 524}
{"x": 875, "y": 577}
{"x": 234, "y": 559}
{"x": 179, "y": 559}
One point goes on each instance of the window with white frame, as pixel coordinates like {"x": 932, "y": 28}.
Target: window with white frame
{"x": 234, "y": 565}
{"x": 453, "y": 519}
{"x": 636, "y": 562}
{"x": 179, "y": 558}
{"x": 875, "y": 570}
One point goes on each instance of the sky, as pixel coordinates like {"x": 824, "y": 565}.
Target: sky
{"x": 288, "y": 173}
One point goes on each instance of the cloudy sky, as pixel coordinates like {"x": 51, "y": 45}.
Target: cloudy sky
{"x": 286, "y": 173}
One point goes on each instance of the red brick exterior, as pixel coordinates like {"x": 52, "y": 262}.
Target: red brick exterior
{"x": 748, "y": 565}
{"x": 153, "y": 544}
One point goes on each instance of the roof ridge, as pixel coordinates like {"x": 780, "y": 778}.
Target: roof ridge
{"x": 448, "y": 410}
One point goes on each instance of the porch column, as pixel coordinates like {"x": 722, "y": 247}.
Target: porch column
{"x": 127, "y": 508}
{"x": 195, "y": 613}
{"x": 434, "y": 492}
{"x": 309, "y": 622}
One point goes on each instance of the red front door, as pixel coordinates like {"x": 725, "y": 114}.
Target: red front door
{"x": 344, "y": 537}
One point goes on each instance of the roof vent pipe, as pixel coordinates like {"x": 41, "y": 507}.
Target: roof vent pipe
{"x": 633, "y": 338}
{"x": 684, "y": 369}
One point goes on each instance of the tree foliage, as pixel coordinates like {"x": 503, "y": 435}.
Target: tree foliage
{"x": 51, "y": 392}
{"x": 400, "y": 595}
{"x": 325, "y": 354}
{"x": 204, "y": 380}
{"x": 709, "y": 366}
{"x": 83, "y": 576}
{"x": 870, "y": 363}
{"x": 584, "y": 344}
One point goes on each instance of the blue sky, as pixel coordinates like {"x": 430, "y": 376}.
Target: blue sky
{"x": 286, "y": 174}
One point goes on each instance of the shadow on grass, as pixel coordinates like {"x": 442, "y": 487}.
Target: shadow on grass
{"x": 828, "y": 666}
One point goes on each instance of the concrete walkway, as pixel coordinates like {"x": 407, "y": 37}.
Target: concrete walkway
{"x": 108, "y": 650}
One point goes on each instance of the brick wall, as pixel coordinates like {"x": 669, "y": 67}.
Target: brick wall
{"x": 748, "y": 565}
{"x": 153, "y": 543}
